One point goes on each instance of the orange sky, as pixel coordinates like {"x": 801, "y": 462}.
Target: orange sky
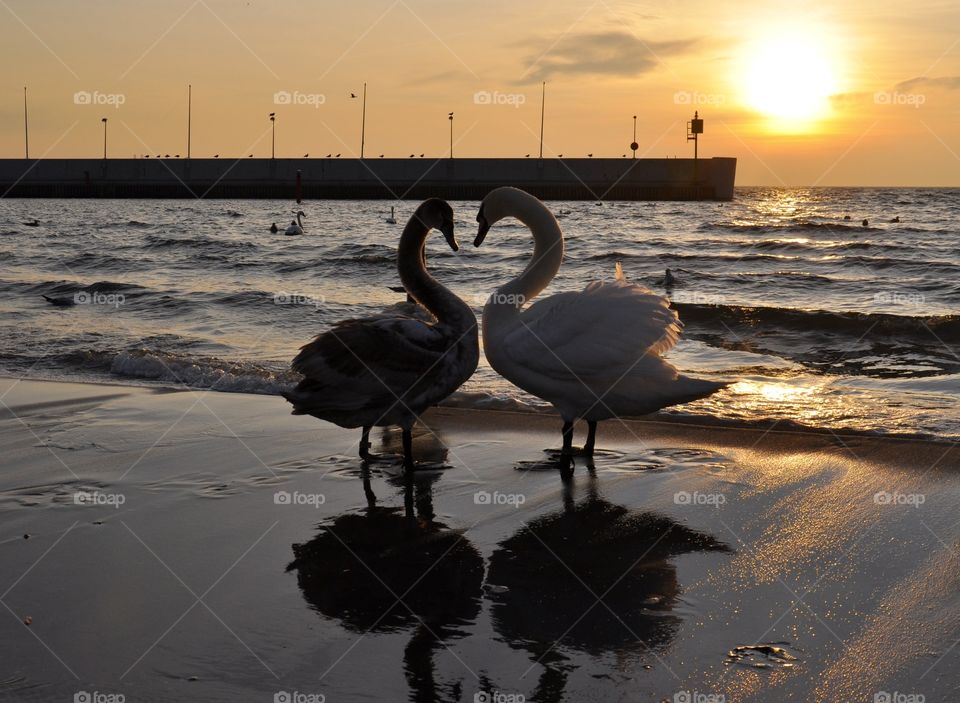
{"x": 877, "y": 83}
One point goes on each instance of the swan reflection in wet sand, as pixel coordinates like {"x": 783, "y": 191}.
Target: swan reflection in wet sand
{"x": 593, "y": 578}
{"x": 388, "y": 570}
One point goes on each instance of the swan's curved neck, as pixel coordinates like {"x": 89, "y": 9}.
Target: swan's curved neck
{"x": 425, "y": 289}
{"x": 547, "y": 250}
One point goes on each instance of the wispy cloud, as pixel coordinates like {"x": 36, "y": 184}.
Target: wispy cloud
{"x": 609, "y": 53}
{"x": 945, "y": 82}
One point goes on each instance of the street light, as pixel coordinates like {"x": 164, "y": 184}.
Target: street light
{"x": 104, "y": 120}
{"x": 450, "y": 117}
{"x": 363, "y": 118}
{"x": 189, "y": 117}
{"x": 26, "y": 127}
{"x": 633, "y": 145}
{"x": 543, "y": 102}
{"x": 273, "y": 135}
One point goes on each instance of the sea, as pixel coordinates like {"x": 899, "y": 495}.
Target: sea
{"x": 828, "y": 309}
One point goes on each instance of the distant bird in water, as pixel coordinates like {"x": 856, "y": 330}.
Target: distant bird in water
{"x": 379, "y": 371}
{"x": 61, "y": 302}
{"x": 391, "y": 220}
{"x": 274, "y": 229}
{"x": 33, "y": 223}
{"x": 296, "y": 226}
{"x": 895, "y": 220}
{"x": 865, "y": 223}
{"x": 846, "y": 217}
{"x": 669, "y": 279}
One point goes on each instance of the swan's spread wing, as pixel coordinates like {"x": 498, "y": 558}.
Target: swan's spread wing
{"x": 605, "y": 328}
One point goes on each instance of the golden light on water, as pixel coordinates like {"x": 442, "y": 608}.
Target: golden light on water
{"x": 776, "y": 392}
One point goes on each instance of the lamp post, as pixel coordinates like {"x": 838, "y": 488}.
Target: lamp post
{"x": 633, "y": 145}
{"x": 26, "y": 131}
{"x": 543, "y": 102}
{"x": 363, "y": 118}
{"x": 450, "y": 117}
{"x": 189, "y": 116}
{"x": 273, "y": 135}
{"x": 104, "y": 120}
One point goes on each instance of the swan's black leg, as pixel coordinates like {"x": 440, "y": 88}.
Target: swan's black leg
{"x": 591, "y": 437}
{"x": 567, "y": 437}
{"x": 365, "y": 445}
{"x": 408, "y": 450}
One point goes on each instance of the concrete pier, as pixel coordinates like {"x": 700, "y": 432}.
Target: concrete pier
{"x": 467, "y": 179}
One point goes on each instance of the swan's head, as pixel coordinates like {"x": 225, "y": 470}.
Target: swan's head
{"x": 499, "y": 203}
{"x": 437, "y": 214}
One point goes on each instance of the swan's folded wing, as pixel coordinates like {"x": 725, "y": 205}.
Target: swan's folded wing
{"x": 606, "y": 328}
{"x": 397, "y": 351}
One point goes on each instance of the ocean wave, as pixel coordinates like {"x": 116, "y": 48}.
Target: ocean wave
{"x": 99, "y": 261}
{"x": 917, "y": 328}
{"x": 63, "y": 287}
{"x": 813, "y": 246}
{"x": 803, "y": 226}
{"x": 161, "y": 242}
{"x": 203, "y": 373}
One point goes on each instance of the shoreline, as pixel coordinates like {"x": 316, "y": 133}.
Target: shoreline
{"x": 668, "y": 419}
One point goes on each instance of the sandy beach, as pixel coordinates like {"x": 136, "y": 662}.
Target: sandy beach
{"x": 188, "y": 545}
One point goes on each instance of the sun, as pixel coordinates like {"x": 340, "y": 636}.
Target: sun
{"x": 789, "y": 76}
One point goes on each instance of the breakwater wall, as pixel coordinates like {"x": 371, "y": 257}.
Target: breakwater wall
{"x": 466, "y": 179}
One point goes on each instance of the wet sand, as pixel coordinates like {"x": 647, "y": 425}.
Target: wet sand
{"x": 182, "y": 545}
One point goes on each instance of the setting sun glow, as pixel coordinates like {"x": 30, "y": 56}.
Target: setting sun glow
{"x": 789, "y": 78}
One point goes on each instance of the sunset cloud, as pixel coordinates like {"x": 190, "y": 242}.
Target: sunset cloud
{"x": 611, "y": 53}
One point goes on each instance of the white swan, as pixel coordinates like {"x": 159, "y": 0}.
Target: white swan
{"x": 296, "y": 227}
{"x": 593, "y": 354}
{"x": 383, "y": 370}
{"x": 392, "y": 220}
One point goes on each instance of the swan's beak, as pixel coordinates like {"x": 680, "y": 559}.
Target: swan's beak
{"x": 482, "y": 230}
{"x": 447, "y": 229}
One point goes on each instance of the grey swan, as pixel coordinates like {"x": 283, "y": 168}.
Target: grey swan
{"x": 387, "y": 370}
